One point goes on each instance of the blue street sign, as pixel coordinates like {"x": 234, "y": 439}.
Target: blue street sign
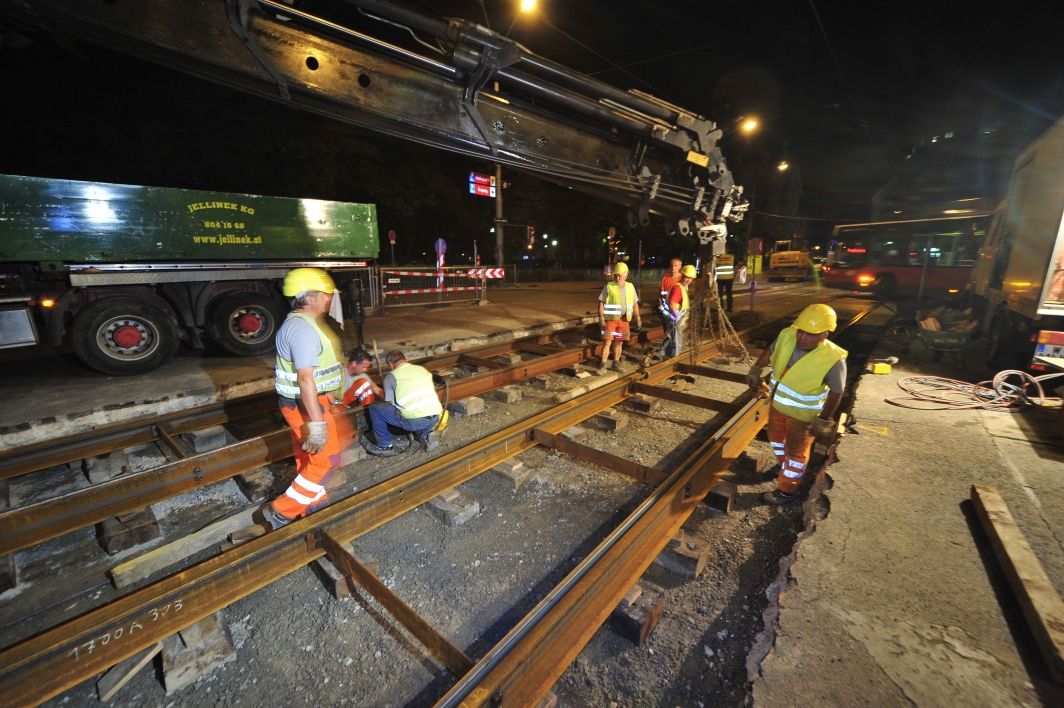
{"x": 441, "y": 246}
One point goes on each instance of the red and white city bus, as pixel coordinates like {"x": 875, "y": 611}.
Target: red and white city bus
{"x": 934, "y": 257}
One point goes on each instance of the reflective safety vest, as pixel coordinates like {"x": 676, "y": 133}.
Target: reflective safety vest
{"x": 611, "y": 309}
{"x": 358, "y": 390}
{"x": 415, "y": 394}
{"x": 800, "y": 391}
{"x": 327, "y": 374}
{"x": 685, "y": 303}
{"x": 666, "y": 284}
{"x": 725, "y": 267}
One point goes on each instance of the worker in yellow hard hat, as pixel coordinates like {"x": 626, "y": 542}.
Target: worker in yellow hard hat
{"x": 618, "y": 304}
{"x": 308, "y": 382}
{"x": 674, "y": 309}
{"x": 807, "y": 377}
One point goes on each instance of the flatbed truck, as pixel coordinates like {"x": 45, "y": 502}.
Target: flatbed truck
{"x": 124, "y": 272}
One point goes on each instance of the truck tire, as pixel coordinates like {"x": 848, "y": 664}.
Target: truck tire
{"x": 244, "y": 323}
{"x": 124, "y": 336}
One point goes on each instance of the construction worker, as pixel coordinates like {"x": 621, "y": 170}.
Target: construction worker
{"x": 807, "y": 378}
{"x": 357, "y": 387}
{"x": 618, "y": 304}
{"x": 410, "y": 403}
{"x": 725, "y": 278}
{"x": 674, "y": 310}
{"x": 308, "y": 378}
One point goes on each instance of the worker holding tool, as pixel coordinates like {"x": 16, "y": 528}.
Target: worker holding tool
{"x": 807, "y": 377}
{"x": 618, "y": 304}
{"x": 670, "y": 279}
{"x": 674, "y": 308}
{"x": 357, "y": 387}
{"x": 725, "y": 279}
{"x": 308, "y": 379}
{"x": 410, "y": 403}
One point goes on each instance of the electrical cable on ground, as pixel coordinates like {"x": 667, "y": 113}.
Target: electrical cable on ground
{"x": 941, "y": 394}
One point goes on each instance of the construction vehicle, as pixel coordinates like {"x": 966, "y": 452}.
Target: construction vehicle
{"x": 449, "y": 83}
{"x": 789, "y": 266}
{"x": 1018, "y": 280}
{"x": 125, "y": 271}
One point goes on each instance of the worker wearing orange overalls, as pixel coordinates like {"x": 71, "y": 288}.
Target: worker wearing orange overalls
{"x": 308, "y": 379}
{"x": 358, "y": 389}
{"x": 807, "y": 379}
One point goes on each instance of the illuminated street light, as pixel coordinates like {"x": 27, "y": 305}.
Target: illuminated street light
{"x": 783, "y": 166}
{"x": 749, "y": 125}
{"x": 527, "y": 5}
{"x": 554, "y": 243}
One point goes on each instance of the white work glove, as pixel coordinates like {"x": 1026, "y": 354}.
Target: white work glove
{"x": 754, "y": 377}
{"x": 319, "y": 435}
{"x": 822, "y": 427}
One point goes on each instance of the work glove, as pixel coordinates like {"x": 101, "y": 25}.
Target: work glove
{"x": 754, "y": 377}
{"x": 319, "y": 435}
{"x": 602, "y": 322}
{"x": 638, "y": 324}
{"x": 822, "y": 427}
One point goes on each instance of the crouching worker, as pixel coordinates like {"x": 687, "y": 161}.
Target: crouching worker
{"x": 807, "y": 378}
{"x": 410, "y": 403}
{"x": 358, "y": 389}
{"x": 308, "y": 379}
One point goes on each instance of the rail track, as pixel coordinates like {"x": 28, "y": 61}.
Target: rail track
{"x": 519, "y": 669}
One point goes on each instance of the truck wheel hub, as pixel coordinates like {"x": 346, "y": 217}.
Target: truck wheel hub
{"x": 127, "y": 336}
{"x": 250, "y": 323}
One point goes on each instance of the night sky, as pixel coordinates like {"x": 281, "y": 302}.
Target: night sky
{"x": 844, "y": 110}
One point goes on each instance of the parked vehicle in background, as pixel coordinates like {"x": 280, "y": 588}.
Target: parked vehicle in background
{"x": 925, "y": 257}
{"x": 789, "y": 266}
{"x": 1019, "y": 282}
{"x": 125, "y": 271}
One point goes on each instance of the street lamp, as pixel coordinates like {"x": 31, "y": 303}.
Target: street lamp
{"x": 749, "y": 126}
{"x": 527, "y": 5}
{"x": 782, "y": 166}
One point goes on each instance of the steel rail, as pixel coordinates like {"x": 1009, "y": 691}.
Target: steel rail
{"x": 29, "y": 525}
{"x": 44, "y": 665}
{"x": 31, "y": 458}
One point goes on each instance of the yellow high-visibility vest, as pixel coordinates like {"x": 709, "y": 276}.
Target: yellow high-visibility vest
{"x": 327, "y": 374}
{"x": 415, "y": 394}
{"x": 611, "y": 309}
{"x": 801, "y": 392}
{"x": 725, "y": 267}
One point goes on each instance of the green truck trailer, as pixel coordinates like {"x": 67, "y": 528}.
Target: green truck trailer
{"x": 126, "y": 271}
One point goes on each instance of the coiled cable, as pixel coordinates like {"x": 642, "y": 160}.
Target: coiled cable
{"x": 935, "y": 393}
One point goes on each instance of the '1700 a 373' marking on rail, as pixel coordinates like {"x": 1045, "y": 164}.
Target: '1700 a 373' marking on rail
{"x": 153, "y": 615}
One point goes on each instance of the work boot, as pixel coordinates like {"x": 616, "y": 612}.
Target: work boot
{"x": 616, "y": 365}
{"x": 430, "y": 441}
{"x": 602, "y": 366}
{"x": 274, "y": 518}
{"x": 375, "y": 449}
{"x": 778, "y": 498}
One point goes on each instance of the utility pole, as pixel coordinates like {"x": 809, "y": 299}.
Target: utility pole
{"x": 498, "y": 216}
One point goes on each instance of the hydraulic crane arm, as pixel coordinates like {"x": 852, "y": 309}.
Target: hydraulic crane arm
{"x": 466, "y": 89}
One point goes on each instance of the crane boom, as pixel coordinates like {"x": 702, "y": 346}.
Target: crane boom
{"x": 466, "y": 89}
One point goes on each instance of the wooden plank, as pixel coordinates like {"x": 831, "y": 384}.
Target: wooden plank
{"x": 586, "y": 388}
{"x": 122, "y": 672}
{"x": 686, "y": 398}
{"x": 477, "y": 361}
{"x": 711, "y": 372}
{"x": 1040, "y": 601}
{"x": 164, "y": 435}
{"x": 449, "y": 655}
{"x": 638, "y": 472}
{"x": 141, "y": 567}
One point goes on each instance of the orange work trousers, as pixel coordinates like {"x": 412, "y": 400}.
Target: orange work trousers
{"x": 308, "y": 488}
{"x": 791, "y": 442}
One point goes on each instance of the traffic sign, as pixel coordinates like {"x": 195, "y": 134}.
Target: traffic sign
{"x": 441, "y": 246}
{"x": 486, "y": 273}
{"x": 479, "y": 178}
{"x": 391, "y": 236}
{"x": 482, "y": 190}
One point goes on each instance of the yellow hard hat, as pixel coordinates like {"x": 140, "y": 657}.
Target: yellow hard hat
{"x": 621, "y": 267}
{"x": 689, "y": 271}
{"x": 816, "y": 319}
{"x": 300, "y": 280}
